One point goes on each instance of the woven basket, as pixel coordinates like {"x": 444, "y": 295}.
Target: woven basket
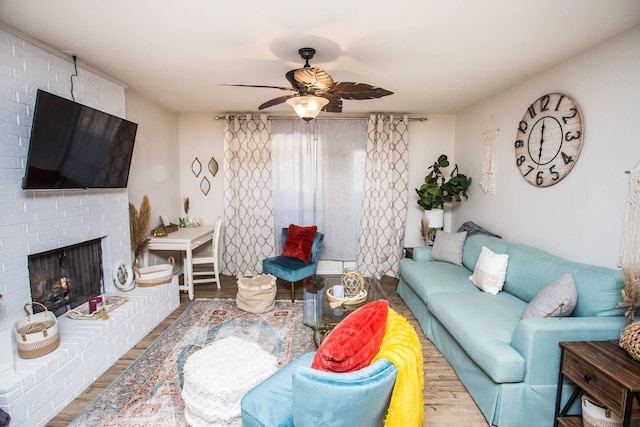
{"x": 630, "y": 340}
{"x": 596, "y": 415}
{"x": 257, "y": 294}
{"x": 154, "y": 275}
{"x": 38, "y": 334}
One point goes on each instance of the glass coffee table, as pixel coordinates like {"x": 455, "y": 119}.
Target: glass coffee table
{"x": 318, "y": 313}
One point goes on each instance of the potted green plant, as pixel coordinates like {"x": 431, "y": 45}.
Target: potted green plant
{"x": 438, "y": 190}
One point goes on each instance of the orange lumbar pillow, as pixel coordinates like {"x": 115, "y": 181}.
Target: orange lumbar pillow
{"x": 355, "y": 341}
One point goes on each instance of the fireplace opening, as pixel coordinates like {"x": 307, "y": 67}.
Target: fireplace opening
{"x": 65, "y": 278}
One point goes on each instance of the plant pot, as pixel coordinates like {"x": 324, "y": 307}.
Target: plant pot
{"x": 435, "y": 217}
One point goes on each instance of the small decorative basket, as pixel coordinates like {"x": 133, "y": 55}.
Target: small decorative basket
{"x": 257, "y": 294}
{"x": 155, "y": 274}
{"x": 596, "y": 415}
{"x": 630, "y": 340}
{"x": 38, "y": 334}
{"x": 353, "y": 283}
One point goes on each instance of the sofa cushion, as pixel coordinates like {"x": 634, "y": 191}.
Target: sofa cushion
{"x": 427, "y": 278}
{"x": 473, "y": 246}
{"x": 483, "y": 325}
{"x": 599, "y": 288}
{"x": 558, "y": 299}
{"x": 355, "y": 341}
{"x": 490, "y": 271}
{"x": 447, "y": 247}
{"x": 299, "y": 242}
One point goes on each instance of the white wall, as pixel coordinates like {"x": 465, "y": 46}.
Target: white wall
{"x": 201, "y": 136}
{"x": 155, "y": 165}
{"x": 580, "y": 218}
{"x": 427, "y": 141}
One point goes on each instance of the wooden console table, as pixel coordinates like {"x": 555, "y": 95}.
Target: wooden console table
{"x": 605, "y": 372}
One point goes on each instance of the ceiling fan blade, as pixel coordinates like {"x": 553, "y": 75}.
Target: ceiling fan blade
{"x": 275, "y": 101}
{"x": 268, "y": 87}
{"x": 313, "y": 77}
{"x": 350, "y": 90}
{"x": 334, "y": 105}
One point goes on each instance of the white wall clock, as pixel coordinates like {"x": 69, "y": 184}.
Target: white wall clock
{"x": 549, "y": 139}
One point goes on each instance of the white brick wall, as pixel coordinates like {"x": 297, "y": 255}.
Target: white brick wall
{"x": 37, "y": 221}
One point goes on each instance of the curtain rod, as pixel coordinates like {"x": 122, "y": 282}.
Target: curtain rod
{"x": 233, "y": 116}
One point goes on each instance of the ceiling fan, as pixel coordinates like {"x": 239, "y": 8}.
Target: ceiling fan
{"x": 316, "y": 91}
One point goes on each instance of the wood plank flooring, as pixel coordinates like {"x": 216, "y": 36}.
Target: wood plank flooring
{"x": 447, "y": 402}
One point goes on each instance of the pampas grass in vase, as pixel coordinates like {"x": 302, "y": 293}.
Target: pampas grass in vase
{"x": 631, "y": 291}
{"x": 138, "y": 226}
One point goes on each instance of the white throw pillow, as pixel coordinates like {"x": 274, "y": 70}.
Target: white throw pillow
{"x": 557, "y": 299}
{"x": 490, "y": 271}
{"x": 448, "y": 247}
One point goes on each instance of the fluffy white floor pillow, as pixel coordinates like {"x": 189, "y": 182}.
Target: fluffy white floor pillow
{"x": 218, "y": 376}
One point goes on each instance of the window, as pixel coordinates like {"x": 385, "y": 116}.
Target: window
{"x": 318, "y": 178}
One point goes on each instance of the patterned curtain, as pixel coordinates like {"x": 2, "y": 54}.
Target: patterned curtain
{"x": 248, "y": 203}
{"x": 384, "y": 208}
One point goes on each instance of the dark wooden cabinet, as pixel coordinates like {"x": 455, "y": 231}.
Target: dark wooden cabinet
{"x": 602, "y": 370}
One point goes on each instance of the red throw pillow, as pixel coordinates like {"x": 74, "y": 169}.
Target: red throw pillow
{"x": 355, "y": 341}
{"x": 299, "y": 242}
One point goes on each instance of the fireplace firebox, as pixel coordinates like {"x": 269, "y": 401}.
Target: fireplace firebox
{"x": 62, "y": 279}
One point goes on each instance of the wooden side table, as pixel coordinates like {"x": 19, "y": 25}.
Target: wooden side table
{"x": 604, "y": 371}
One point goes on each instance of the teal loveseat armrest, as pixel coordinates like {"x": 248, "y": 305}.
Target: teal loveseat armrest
{"x": 422, "y": 253}
{"x": 301, "y": 396}
{"x": 343, "y": 399}
{"x": 538, "y": 341}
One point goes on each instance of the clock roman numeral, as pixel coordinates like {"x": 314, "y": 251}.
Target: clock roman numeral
{"x": 532, "y": 111}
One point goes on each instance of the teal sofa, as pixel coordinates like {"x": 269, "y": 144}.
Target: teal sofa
{"x": 508, "y": 365}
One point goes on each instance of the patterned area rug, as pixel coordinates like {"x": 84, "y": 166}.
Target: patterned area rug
{"x": 148, "y": 393}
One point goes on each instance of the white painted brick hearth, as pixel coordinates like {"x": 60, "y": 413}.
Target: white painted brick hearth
{"x": 36, "y": 221}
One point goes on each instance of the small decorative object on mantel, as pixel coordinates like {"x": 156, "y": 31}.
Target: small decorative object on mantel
{"x": 196, "y": 167}
{"x": 88, "y": 311}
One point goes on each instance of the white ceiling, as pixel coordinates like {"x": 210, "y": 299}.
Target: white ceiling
{"x": 438, "y": 56}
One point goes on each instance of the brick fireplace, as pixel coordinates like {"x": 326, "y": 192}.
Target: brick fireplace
{"x": 32, "y": 222}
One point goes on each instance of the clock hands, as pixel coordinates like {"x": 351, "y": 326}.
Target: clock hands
{"x": 541, "y": 142}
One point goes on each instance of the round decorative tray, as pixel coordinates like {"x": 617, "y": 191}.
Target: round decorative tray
{"x": 356, "y": 299}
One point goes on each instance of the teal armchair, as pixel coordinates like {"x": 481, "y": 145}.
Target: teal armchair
{"x": 292, "y": 269}
{"x": 301, "y": 396}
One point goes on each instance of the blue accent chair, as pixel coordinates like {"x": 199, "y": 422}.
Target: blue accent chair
{"x": 301, "y": 396}
{"x": 292, "y": 269}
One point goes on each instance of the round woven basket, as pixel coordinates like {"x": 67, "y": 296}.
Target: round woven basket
{"x": 630, "y": 340}
{"x": 257, "y": 294}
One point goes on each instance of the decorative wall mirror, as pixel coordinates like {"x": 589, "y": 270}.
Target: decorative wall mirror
{"x": 123, "y": 277}
{"x": 205, "y": 186}
{"x": 196, "y": 167}
{"x": 213, "y": 166}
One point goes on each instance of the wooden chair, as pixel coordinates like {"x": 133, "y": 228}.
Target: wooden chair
{"x": 210, "y": 256}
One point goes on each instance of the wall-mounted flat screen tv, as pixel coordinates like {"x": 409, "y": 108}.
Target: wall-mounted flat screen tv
{"x": 75, "y": 146}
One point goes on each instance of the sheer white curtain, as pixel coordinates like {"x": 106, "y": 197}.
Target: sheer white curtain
{"x": 248, "y": 205}
{"x": 384, "y": 208}
{"x": 318, "y": 178}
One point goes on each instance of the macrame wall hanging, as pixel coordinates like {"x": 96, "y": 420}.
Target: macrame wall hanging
{"x": 488, "y": 174}
{"x": 630, "y": 248}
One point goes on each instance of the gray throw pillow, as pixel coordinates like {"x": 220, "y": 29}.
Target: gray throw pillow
{"x": 447, "y": 247}
{"x": 557, "y": 299}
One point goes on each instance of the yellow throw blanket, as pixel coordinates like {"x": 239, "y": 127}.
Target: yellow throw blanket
{"x": 402, "y": 347}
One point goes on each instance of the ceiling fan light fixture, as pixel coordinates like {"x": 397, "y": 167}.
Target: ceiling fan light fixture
{"x": 307, "y": 107}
